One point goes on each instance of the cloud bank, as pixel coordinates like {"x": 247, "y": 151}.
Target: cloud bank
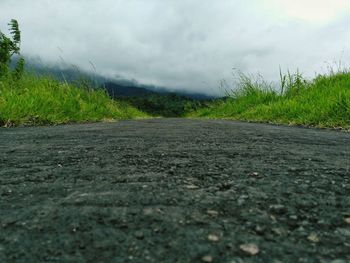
{"x": 184, "y": 44}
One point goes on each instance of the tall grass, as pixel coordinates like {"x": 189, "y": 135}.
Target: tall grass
{"x": 322, "y": 102}
{"x": 35, "y": 100}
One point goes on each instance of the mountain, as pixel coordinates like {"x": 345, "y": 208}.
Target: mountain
{"x": 116, "y": 87}
{"x": 118, "y": 90}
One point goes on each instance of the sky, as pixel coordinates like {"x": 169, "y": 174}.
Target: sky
{"x": 185, "y": 44}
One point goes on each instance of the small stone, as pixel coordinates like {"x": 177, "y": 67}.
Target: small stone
{"x": 254, "y": 174}
{"x": 278, "y": 209}
{"x": 250, "y": 249}
{"x": 273, "y": 218}
{"x": 242, "y": 199}
{"x": 148, "y": 211}
{"x": 347, "y": 220}
{"x": 139, "y": 235}
{"x": 279, "y": 231}
{"x": 259, "y": 230}
{"x": 191, "y": 187}
{"x": 241, "y": 202}
{"x": 213, "y": 238}
{"x": 212, "y": 212}
{"x": 207, "y": 259}
{"x": 293, "y": 217}
{"x": 313, "y": 238}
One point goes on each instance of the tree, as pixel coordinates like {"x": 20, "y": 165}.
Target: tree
{"x": 10, "y": 46}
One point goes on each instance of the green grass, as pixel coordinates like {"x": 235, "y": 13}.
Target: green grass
{"x": 322, "y": 102}
{"x": 38, "y": 100}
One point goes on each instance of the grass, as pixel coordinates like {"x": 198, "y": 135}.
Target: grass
{"x": 321, "y": 102}
{"x": 39, "y": 100}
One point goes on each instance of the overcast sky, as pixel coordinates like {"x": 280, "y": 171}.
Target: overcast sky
{"x": 185, "y": 44}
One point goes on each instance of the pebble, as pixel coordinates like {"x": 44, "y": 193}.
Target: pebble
{"x": 212, "y": 212}
{"x": 347, "y": 220}
{"x": 207, "y": 259}
{"x": 213, "y": 238}
{"x": 279, "y": 231}
{"x": 259, "y": 230}
{"x": 250, "y": 249}
{"x": 293, "y": 217}
{"x": 147, "y": 211}
{"x": 313, "y": 238}
{"x": 172, "y": 170}
{"x": 242, "y": 199}
{"x": 279, "y": 209}
{"x": 139, "y": 235}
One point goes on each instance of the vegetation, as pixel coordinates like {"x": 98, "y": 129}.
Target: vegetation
{"x": 35, "y": 100}
{"x": 322, "y": 102}
{"x": 27, "y": 99}
{"x": 166, "y": 105}
{"x": 10, "y": 46}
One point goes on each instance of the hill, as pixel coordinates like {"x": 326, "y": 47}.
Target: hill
{"x": 116, "y": 87}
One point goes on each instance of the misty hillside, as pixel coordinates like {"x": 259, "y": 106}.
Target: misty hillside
{"x": 115, "y": 87}
{"x": 119, "y": 90}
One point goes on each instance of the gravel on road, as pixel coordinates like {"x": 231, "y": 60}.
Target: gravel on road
{"x": 174, "y": 190}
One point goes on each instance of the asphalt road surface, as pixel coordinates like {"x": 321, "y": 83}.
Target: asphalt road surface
{"x": 174, "y": 190}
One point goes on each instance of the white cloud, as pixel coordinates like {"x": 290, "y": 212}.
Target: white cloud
{"x": 183, "y": 44}
{"x": 312, "y": 11}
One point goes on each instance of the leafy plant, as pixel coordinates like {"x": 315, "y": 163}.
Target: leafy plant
{"x": 10, "y": 46}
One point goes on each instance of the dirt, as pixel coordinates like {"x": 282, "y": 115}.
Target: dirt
{"x": 174, "y": 190}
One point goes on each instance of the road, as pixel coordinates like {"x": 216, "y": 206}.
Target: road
{"x": 174, "y": 190}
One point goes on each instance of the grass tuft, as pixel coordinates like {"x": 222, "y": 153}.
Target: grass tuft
{"x": 38, "y": 100}
{"x": 322, "y": 102}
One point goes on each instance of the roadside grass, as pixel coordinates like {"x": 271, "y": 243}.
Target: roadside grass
{"x": 321, "y": 102}
{"x": 42, "y": 100}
